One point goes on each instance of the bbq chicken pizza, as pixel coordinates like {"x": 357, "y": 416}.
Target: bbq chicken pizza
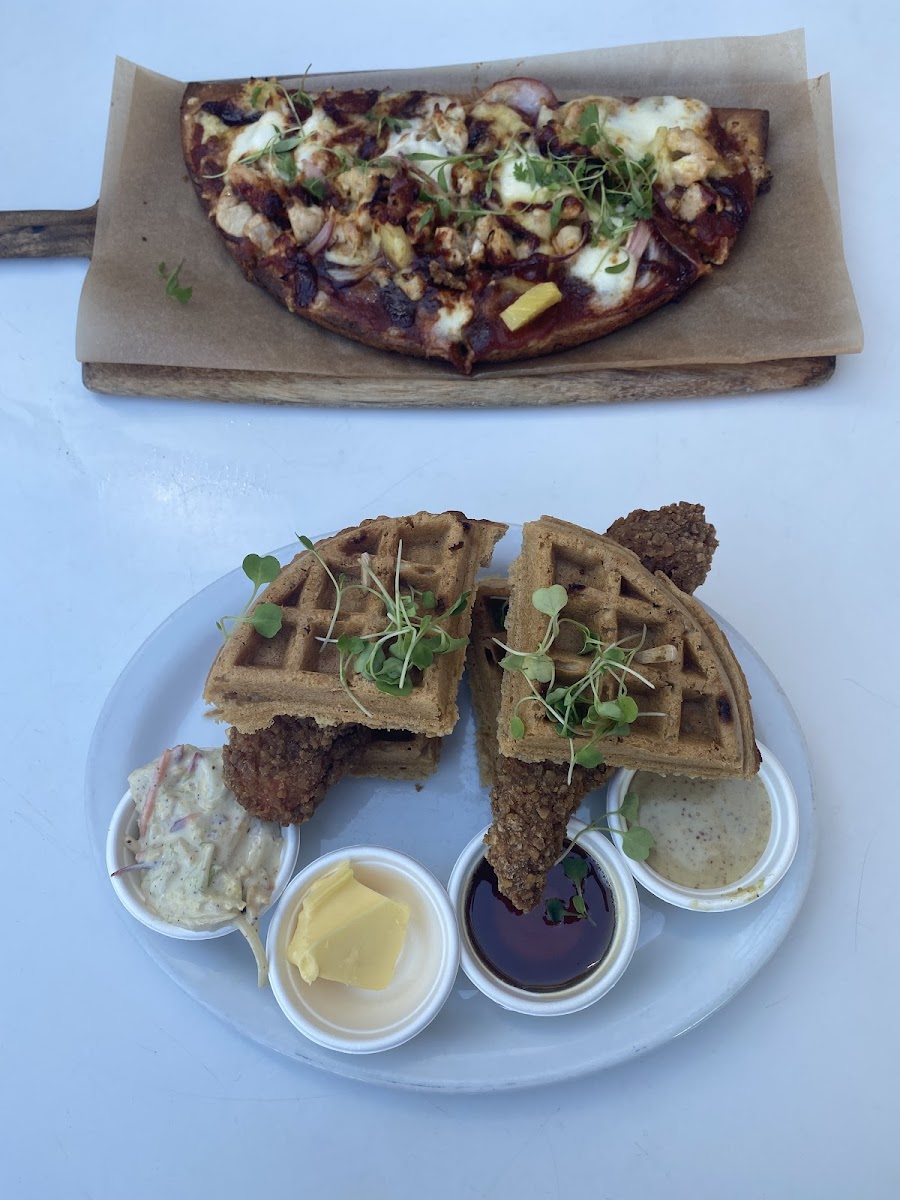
{"x": 471, "y": 228}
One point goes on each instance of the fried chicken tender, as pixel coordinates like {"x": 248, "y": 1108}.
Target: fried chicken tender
{"x": 282, "y": 773}
{"x": 531, "y": 804}
{"x": 675, "y": 539}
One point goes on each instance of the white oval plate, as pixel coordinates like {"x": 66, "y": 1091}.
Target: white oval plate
{"x": 675, "y": 980}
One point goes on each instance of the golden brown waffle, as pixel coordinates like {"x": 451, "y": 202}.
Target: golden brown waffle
{"x": 706, "y": 729}
{"x": 254, "y": 679}
{"x": 397, "y": 754}
{"x": 484, "y": 671}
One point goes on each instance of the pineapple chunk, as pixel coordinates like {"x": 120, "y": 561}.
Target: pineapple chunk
{"x": 530, "y": 305}
{"x": 396, "y": 245}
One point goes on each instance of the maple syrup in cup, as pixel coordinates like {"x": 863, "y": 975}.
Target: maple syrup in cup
{"x": 565, "y": 965}
{"x": 532, "y": 950}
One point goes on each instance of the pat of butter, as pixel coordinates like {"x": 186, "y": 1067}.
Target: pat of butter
{"x": 347, "y": 932}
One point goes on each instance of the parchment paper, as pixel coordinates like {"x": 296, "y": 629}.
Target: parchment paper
{"x": 784, "y": 292}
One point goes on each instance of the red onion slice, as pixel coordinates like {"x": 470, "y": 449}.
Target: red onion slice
{"x": 523, "y": 94}
{"x": 638, "y": 240}
{"x": 343, "y": 277}
{"x": 134, "y": 867}
{"x": 322, "y": 238}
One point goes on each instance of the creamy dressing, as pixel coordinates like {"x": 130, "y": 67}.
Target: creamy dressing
{"x": 203, "y": 859}
{"x": 708, "y": 832}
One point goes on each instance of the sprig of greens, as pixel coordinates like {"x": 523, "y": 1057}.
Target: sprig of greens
{"x": 442, "y": 199}
{"x": 616, "y": 191}
{"x": 411, "y": 639}
{"x": 173, "y": 288}
{"x": 301, "y": 95}
{"x": 279, "y": 150}
{"x": 386, "y": 121}
{"x": 577, "y": 710}
{"x": 557, "y": 909}
{"x": 637, "y": 842}
{"x": 265, "y": 618}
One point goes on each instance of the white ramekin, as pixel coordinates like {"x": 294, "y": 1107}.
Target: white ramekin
{"x": 760, "y": 879}
{"x": 128, "y": 886}
{"x": 355, "y": 1020}
{"x": 604, "y": 976}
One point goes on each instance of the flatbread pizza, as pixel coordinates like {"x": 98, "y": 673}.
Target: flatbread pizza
{"x": 475, "y": 228}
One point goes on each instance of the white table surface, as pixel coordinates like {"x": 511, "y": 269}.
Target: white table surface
{"x": 112, "y": 1082}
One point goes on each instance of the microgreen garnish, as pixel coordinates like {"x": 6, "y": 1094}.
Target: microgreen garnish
{"x": 412, "y": 638}
{"x": 637, "y": 842}
{"x": 386, "y": 121}
{"x": 577, "y": 710}
{"x": 443, "y": 199}
{"x": 614, "y": 190}
{"x": 301, "y": 95}
{"x": 426, "y": 218}
{"x": 265, "y": 618}
{"x": 576, "y": 869}
{"x": 173, "y": 287}
{"x": 255, "y": 95}
{"x": 315, "y": 187}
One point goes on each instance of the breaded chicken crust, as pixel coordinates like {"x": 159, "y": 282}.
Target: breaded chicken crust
{"x": 282, "y": 773}
{"x": 676, "y": 539}
{"x": 531, "y": 804}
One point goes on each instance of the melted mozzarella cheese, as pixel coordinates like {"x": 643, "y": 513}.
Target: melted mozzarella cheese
{"x": 517, "y": 191}
{"x": 316, "y": 132}
{"x": 254, "y": 138}
{"x": 452, "y": 319}
{"x": 419, "y": 138}
{"x": 589, "y": 265}
{"x": 633, "y": 126}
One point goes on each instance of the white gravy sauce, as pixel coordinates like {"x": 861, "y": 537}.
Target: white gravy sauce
{"x": 709, "y": 832}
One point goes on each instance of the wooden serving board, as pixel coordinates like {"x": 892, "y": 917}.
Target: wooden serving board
{"x": 71, "y": 234}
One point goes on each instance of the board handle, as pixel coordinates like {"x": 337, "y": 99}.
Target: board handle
{"x": 56, "y": 233}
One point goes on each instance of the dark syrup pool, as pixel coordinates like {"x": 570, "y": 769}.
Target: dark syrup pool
{"x": 529, "y": 950}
